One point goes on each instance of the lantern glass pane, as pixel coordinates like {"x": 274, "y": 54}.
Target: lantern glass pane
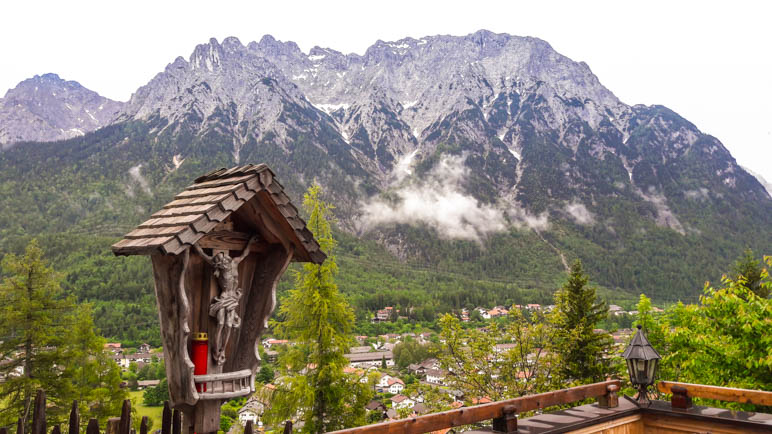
{"x": 631, "y": 371}
{"x": 652, "y": 370}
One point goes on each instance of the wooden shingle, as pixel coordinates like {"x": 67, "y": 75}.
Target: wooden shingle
{"x": 210, "y": 200}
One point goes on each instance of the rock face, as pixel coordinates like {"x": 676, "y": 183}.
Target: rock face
{"x": 46, "y": 108}
{"x": 491, "y": 139}
{"x": 535, "y": 128}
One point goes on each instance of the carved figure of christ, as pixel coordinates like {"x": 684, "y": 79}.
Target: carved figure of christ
{"x": 224, "y": 307}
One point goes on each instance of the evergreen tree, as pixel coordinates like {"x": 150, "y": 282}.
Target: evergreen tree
{"x": 747, "y": 272}
{"x": 577, "y": 314}
{"x": 50, "y": 344}
{"x": 318, "y": 320}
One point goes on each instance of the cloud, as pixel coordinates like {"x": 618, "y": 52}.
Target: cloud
{"x": 699, "y": 194}
{"x": 580, "y": 213}
{"x": 437, "y": 200}
{"x": 137, "y": 176}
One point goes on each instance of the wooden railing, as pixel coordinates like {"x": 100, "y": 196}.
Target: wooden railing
{"x": 224, "y": 386}
{"x": 503, "y": 413}
{"x": 684, "y": 392}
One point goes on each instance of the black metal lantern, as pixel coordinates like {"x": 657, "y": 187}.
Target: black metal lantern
{"x": 642, "y": 360}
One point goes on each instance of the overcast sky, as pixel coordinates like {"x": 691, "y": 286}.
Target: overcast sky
{"x": 710, "y": 62}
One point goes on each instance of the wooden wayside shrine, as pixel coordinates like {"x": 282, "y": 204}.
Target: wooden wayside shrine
{"x": 218, "y": 250}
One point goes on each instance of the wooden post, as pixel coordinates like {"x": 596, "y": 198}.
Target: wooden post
{"x": 507, "y": 422}
{"x": 20, "y": 427}
{"x": 680, "y": 398}
{"x": 248, "y": 429}
{"x": 610, "y": 399}
{"x": 74, "y": 419}
{"x": 166, "y": 424}
{"x": 56, "y": 430}
{"x": 93, "y": 426}
{"x": 125, "y": 425}
{"x": 288, "y": 427}
{"x": 177, "y": 422}
{"x": 143, "y": 425}
{"x": 113, "y": 425}
{"x": 3, "y": 431}
{"x": 39, "y": 415}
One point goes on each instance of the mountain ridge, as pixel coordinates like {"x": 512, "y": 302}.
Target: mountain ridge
{"x": 461, "y": 151}
{"x": 47, "y": 108}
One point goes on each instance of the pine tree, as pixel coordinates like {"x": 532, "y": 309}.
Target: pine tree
{"x": 318, "y": 321}
{"x": 50, "y": 344}
{"x": 747, "y": 272}
{"x": 583, "y": 350}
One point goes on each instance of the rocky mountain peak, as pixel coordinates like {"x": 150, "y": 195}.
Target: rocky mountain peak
{"x": 46, "y": 108}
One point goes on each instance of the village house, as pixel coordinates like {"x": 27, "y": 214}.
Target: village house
{"x": 483, "y": 313}
{"x": 497, "y": 312}
{"x": 366, "y": 360}
{"x": 396, "y": 385}
{"x": 268, "y": 343}
{"x": 144, "y": 384}
{"x": 402, "y": 401}
{"x": 114, "y": 347}
{"x": 533, "y": 306}
{"x": 251, "y": 411}
{"x": 436, "y": 376}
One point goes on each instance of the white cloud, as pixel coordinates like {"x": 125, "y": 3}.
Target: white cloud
{"x": 438, "y": 200}
{"x": 580, "y": 213}
{"x": 698, "y": 194}
{"x": 137, "y": 176}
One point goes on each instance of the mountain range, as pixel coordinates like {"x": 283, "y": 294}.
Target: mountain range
{"x": 487, "y": 154}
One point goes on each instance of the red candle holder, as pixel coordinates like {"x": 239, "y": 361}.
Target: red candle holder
{"x": 200, "y": 356}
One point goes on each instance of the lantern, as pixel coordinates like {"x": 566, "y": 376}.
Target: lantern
{"x": 642, "y": 360}
{"x": 217, "y": 251}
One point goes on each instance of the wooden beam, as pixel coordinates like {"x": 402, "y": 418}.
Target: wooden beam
{"x": 731, "y": 394}
{"x": 478, "y": 413}
{"x": 222, "y": 240}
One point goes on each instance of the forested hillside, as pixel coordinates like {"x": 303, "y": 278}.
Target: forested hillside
{"x": 474, "y": 183}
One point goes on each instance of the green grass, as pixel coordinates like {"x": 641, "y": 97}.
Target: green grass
{"x": 153, "y": 413}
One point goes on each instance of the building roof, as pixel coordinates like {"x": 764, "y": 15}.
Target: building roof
{"x": 399, "y": 398}
{"x": 366, "y": 357}
{"x": 209, "y": 201}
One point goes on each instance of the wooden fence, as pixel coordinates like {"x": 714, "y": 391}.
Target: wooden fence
{"x": 171, "y": 421}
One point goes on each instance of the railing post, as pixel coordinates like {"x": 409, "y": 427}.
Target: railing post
{"x": 610, "y": 399}
{"x": 248, "y": 429}
{"x": 20, "y": 427}
{"x": 288, "y": 427}
{"x": 93, "y": 426}
{"x": 74, "y": 419}
{"x": 177, "y": 422}
{"x": 143, "y": 425}
{"x": 507, "y": 422}
{"x": 125, "y": 425}
{"x": 166, "y": 422}
{"x": 113, "y": 425}
{"x": 39, "y": 415}
{"x": 3, "y": 431}
{"x": 56, "y": 429}
{"x": 680, "y": 398}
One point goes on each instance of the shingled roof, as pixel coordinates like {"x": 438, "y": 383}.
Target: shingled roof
{"x": 209, "y": 201}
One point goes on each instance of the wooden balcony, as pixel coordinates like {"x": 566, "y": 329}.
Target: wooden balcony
{"x": 610, "y": 415}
